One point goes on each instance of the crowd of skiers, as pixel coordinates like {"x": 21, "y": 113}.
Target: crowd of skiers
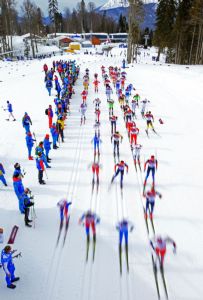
{"x": 130, "y": 103}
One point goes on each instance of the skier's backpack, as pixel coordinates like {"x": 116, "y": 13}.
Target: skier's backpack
{"x": 46, "y": 111}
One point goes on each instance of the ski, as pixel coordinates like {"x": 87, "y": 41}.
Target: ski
{"x": 152, "y": 223}
{"x": 155, "y": 276}
{"x": 126, "y": 254}
{"x": 147, "y": 226}
{"x": 66, "y": 230}
{"x": 87, "y": 249}
{"x": 120, "y": 259}
{"x": 94, "y": 247}
{"x": 147, "y": 133}
{"x": 164, "y": 281}
{"x": 59, "y": 233}
{"x": 13, "y": 234}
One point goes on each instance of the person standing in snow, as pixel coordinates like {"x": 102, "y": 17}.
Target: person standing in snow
{"x": 30, "y": 143}
{"x": 26, "y": 122}
{"x": 49, "y": 86}
{"x": 27, "y": 204}
{"x": 8, "y": 266}
{"x": 10, "y": 110}
{"x": 47, "y": 147}
{"x": 18, "y": 185}
{"x": 50, "y": 115}
{"x": 41, "y": 168}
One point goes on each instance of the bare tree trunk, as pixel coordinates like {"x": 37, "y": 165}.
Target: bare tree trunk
{"x": 192, "y": 43}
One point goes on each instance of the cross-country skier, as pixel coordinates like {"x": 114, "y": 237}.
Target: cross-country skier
{"x": 96, "y": 84}
{"x": 158, "y": 244}
{"x": 116, "y": 138}
{"x": 63, "y": 205}
{"x": 113, "y": 120}
{"x": 119, "y": 168}
{"x": 97, "y": 103}
{"x": 26, "y": 122}
{"x": 84, "y": 96}
{"x": 10, "y": 110}
{"x": 95, "y": 170}
{"x": 111, "y": 104}
{"x": 149, "y": 118}
{"x": 2, "y": 172}
{"x": 143, "y": 108}
{"x": 97, "y": 142}
{"x": 152, "y": 167}
{"x": 150, "y": 196}
{"x": 123, "y": 228}
{"x": 83, "y": 108}
{"x": 134, "y": 131}
{"x": 8, "y": 266}
{"x": 136, "y": 154}
{"x": 18, "y": 185}
{"x": 89, "y": 219}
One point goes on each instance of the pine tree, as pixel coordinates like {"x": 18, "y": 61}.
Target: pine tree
{"x": 53, "y": 10}
{"x": 165, "y": 20}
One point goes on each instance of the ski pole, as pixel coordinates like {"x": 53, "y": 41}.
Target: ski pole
{"x": 45, "y": 173}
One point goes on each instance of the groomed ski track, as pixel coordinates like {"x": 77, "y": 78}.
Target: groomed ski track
{"x": 55, "y": 273}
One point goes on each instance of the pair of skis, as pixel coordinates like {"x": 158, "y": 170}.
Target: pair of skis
{"x": 153, "y": 131}
{"x": 88, "y": 246}
{"x": 65, "y": 232}
{"x": 162, "y": 277}
{"x": 120, "y": 257}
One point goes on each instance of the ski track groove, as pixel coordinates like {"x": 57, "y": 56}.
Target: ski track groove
{"x": 57, "y": 253}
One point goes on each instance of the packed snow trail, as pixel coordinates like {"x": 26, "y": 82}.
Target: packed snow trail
{"x": 175, "y": 96}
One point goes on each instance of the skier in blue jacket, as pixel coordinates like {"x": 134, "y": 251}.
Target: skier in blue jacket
{"x": 47, "y": 146}
{"x": 18, "y": 185}
{"x": 8, "y": 266}
{"x": 26, "y": 122}
{"x": 10, "y": 110}
{"x": 30, "y": 143}
{"x": 2, "y": 172}
{"x": 97, "y": 141}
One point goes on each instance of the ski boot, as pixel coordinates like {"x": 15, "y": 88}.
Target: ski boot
{"x": 11, "y": 286}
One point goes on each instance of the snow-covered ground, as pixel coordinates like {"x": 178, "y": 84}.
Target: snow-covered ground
{"x": 47, "y": 272}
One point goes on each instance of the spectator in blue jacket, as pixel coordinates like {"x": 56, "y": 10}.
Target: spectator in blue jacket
{"x": 54, "y": 134}
{"x": 47, "y": 147}
{"x": 2, "y": 172}
{"x": 30, "y": 143}
{"x": 26, "y": 122}
{"x": 40, "y": 167}
{"x": 18, "y": 185}
{"x": 40, "y": 150}
{"x": 49, "y": 86}
{"x": 8, "y": 266}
